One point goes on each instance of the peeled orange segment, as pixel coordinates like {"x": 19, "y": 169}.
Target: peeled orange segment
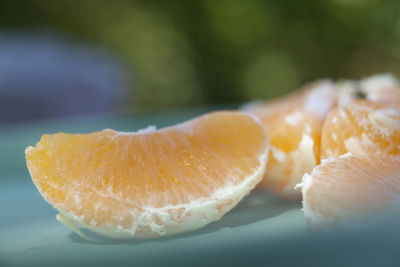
{"x": 383, "y": 88}
{"x": 151, "y": 183}
{"x": 389, "y": 96}
{"x": 361, "y": 127}
{"x": 353, "y": 190}
{"x": 293, "y": 125}
{"x": 347, "y": 91}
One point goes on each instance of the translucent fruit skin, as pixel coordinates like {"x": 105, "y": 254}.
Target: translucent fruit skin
{"x": 361, "y": 127}
{"x": 151, "y": 184}
{"x": 293, "y": 125}
{"x": 352, "y": 191}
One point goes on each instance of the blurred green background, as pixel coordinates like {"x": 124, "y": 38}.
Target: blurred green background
{"x": 185, "y": 53}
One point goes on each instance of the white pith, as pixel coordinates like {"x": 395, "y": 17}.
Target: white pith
{"x": 305, "y": 152}
{"x": 148, "y": 129}
{"x": 321, "y": 99}
{"x": 301, "y": 160}
{"x": 346, "y": 92}
{"x": 378, "y": 82}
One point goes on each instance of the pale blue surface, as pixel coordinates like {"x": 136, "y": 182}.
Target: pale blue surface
{"x": 31, "y": 234}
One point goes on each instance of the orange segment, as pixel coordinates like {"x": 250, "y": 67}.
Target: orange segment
{"x": 151, "y": 183}
{"x": 361, "y": 127}
{"x": 293, "y": 124}
{"x": 351, "y": 191}
{"x": 347, "y": 91}
{"x": 388, "y": 96}
{"x": 383, "y": 88}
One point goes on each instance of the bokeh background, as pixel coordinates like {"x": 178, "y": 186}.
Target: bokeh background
{"x": 84, "y": 65}
{"x": 93, "y": 56}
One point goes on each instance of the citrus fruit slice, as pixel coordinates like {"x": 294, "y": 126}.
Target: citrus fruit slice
{"x": 151, "y": 183}
{"x": 361, "y": 127}
{"x": 352, "y": 190}
{"x": 293, "y": 125}
{"x": 383, "y": 88}
{"x": 347, "y": 91}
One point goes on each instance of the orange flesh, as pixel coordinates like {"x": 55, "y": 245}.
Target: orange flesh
{"x": 287, "y": 121}
{"x": 361, "y": 127}
{"x": 287, "y": 137}
{"x": 104, "y": 175}
{"x": 351, "y": 189}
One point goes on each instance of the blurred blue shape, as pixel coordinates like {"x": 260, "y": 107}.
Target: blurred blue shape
{"x": 44, "y": 75}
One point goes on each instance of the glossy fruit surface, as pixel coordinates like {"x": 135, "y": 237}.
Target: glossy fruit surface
{"x": 151, "y": 183}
